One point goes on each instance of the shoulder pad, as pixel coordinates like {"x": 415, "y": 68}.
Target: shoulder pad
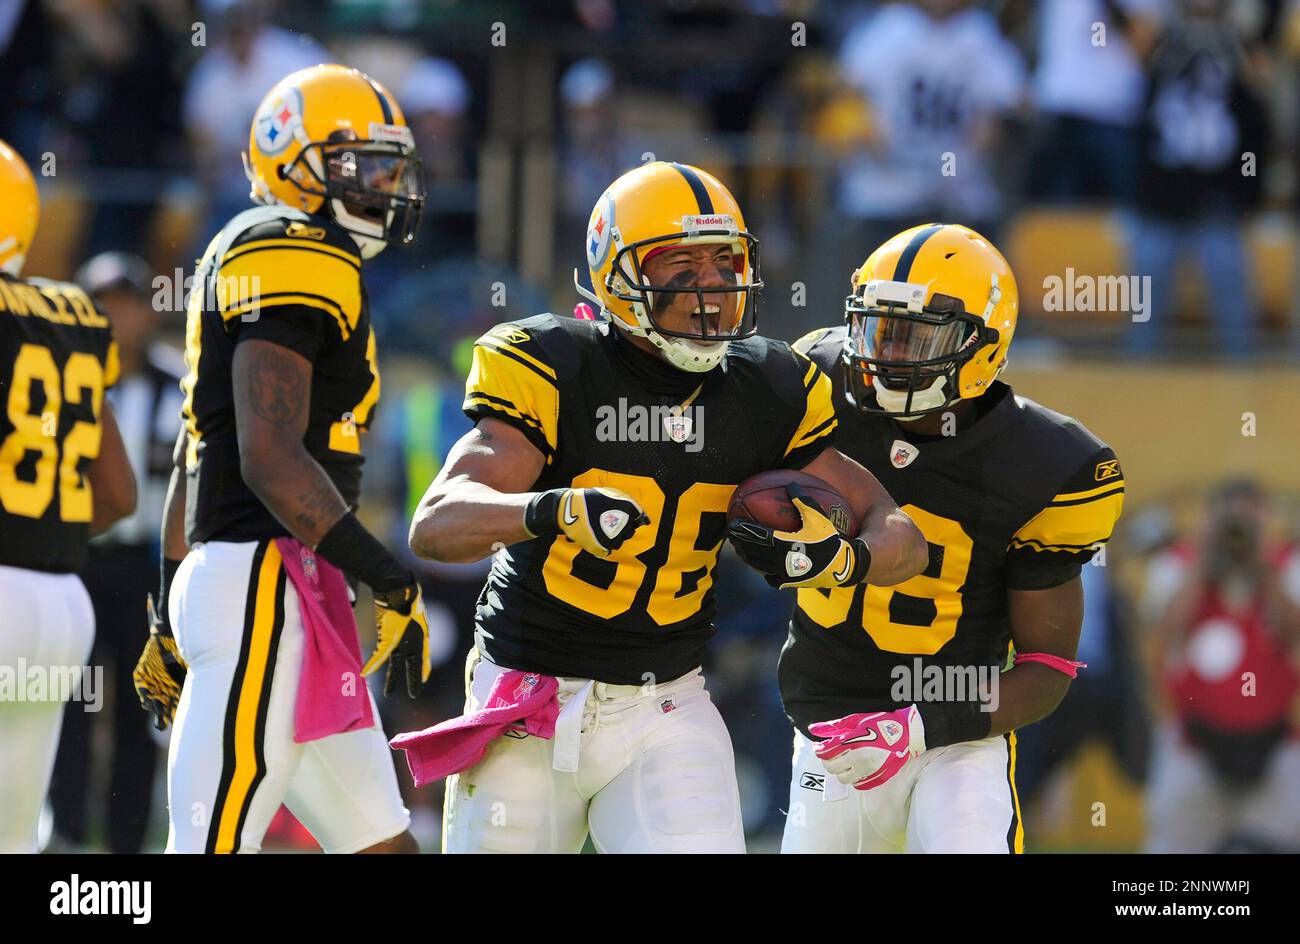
{"x": 558, "y": 344}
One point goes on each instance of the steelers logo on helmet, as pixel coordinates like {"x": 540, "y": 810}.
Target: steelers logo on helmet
{"x": 331, "y": 140}
{"x": 600, "y": 231}
{"x": 930, "y": 319}
{"x": 710, "y": 301}
{"x": 278, "y": 120}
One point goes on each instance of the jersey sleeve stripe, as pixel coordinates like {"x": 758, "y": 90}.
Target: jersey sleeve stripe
{"x": 512, "y": 352}
{"x": 298, "y": 245}
{"x": 819, "y": 412}
{"x": 290, "y": 298}
{"x": 810, "y": 377}
{"x": 1066, "y": 497}
{"x": 1075, "y": 526}
{"x": 1058, "y": 503}
{"x": 806, "y": 343}
{"x": 491, "y": 402}
{"x": 814, "y": 435}
{"x": 1040, "y": 546}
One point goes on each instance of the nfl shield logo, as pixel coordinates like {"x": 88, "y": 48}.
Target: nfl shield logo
{"x": 901, "y": 454}
{"x": 891, "y": 731}
{"x": 678, "y": 427}
{"x": 309, "y": 564}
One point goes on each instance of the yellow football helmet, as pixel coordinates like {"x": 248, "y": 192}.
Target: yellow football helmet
{"x": 653, "y": 207}
{"x": 332, "y": 140}
{"x": 20, "y": 210}
{"x": 930, "y": 319}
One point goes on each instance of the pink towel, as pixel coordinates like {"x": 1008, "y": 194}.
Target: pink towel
{"x": 460, "y": 743}
{"x": 332, "y": 695}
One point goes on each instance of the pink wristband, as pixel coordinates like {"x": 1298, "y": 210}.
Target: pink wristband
{"x": 1064, "y": 666}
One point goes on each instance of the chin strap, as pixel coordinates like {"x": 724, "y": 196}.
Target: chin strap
{"x": 1064, "y": 666}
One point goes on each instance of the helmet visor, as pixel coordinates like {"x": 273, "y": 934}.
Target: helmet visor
{"x": 707, "y": 300}
{"x": 379, "y": 182}
{"x": 901, "y": 347}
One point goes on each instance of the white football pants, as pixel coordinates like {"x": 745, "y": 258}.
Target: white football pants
{"x": 47, "y": 626}
{"x": 644, "y": 769}
{"x": 233, "y": 759}
{"x": 958, "y": 798}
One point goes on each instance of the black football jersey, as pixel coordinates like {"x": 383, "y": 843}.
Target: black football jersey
{"x": 1020, "y": 499}
{"x": 279, "y": 275}
{"x": 644, "y": 613}
{"x": 57, "y": 357}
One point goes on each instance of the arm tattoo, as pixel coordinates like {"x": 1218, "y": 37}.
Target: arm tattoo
{"x": 278, "y": 394}
{"x": 317, "y": 503}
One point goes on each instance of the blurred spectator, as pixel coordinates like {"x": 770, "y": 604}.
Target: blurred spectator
{"x": 1226, "y": 771}
{"x": 245, "y": 57}
{"x": 1089, "y": 88}
{"x": 937, "y": 77}
{"x": 1202, "y": 116}
{"x": 593, "y": 152}
{"x": 26, "y": 67}
{"x": 122, "y": 107}
{"x": 1103, "y": 704}
{"x": 123, "y": 565}
{"x": 435, "y": 98}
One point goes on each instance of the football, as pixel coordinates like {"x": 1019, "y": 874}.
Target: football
{"x": 763, "y": 498}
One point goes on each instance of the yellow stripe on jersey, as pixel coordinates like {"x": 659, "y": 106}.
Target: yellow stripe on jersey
{"x": 1074, "y": 525}
{"x": 517, "y": 352}
{"x": 271, "y": 272}
{"x": 819, "y": 411}
{"x": 509, "y": 381}
{"x": 244, "y": 767}
{"x": 260, "y": 244}
{"x": 1069, "y": 497}
{"x": 805, "y": 343}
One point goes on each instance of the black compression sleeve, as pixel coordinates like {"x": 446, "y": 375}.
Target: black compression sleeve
{"x": 354, "y": 550}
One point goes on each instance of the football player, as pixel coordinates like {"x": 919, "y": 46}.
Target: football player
{"x": 906, "y": 723}
{"x": 600, "y": 469}
{"x": 64, "y": 475}
{"x": 281, "y": 379}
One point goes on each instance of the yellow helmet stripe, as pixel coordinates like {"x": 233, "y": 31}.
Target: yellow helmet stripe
{"x": 697, "y": 187}
{"x": 903, "y": 268}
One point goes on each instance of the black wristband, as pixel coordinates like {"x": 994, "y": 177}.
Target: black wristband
{"x": 354, "y": 550}
{"x": 952, "y": 722}
{"x": 862, "y": 563}
{"x": 542, "y": 514}
{"x": 168, "y": 574}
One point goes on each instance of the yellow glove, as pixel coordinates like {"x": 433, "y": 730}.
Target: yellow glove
{"x": 814, "y": 556}
{"x": 599, "y": 520}
{"x": 402, "y": 639}
{"x": 159, "y": 673}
